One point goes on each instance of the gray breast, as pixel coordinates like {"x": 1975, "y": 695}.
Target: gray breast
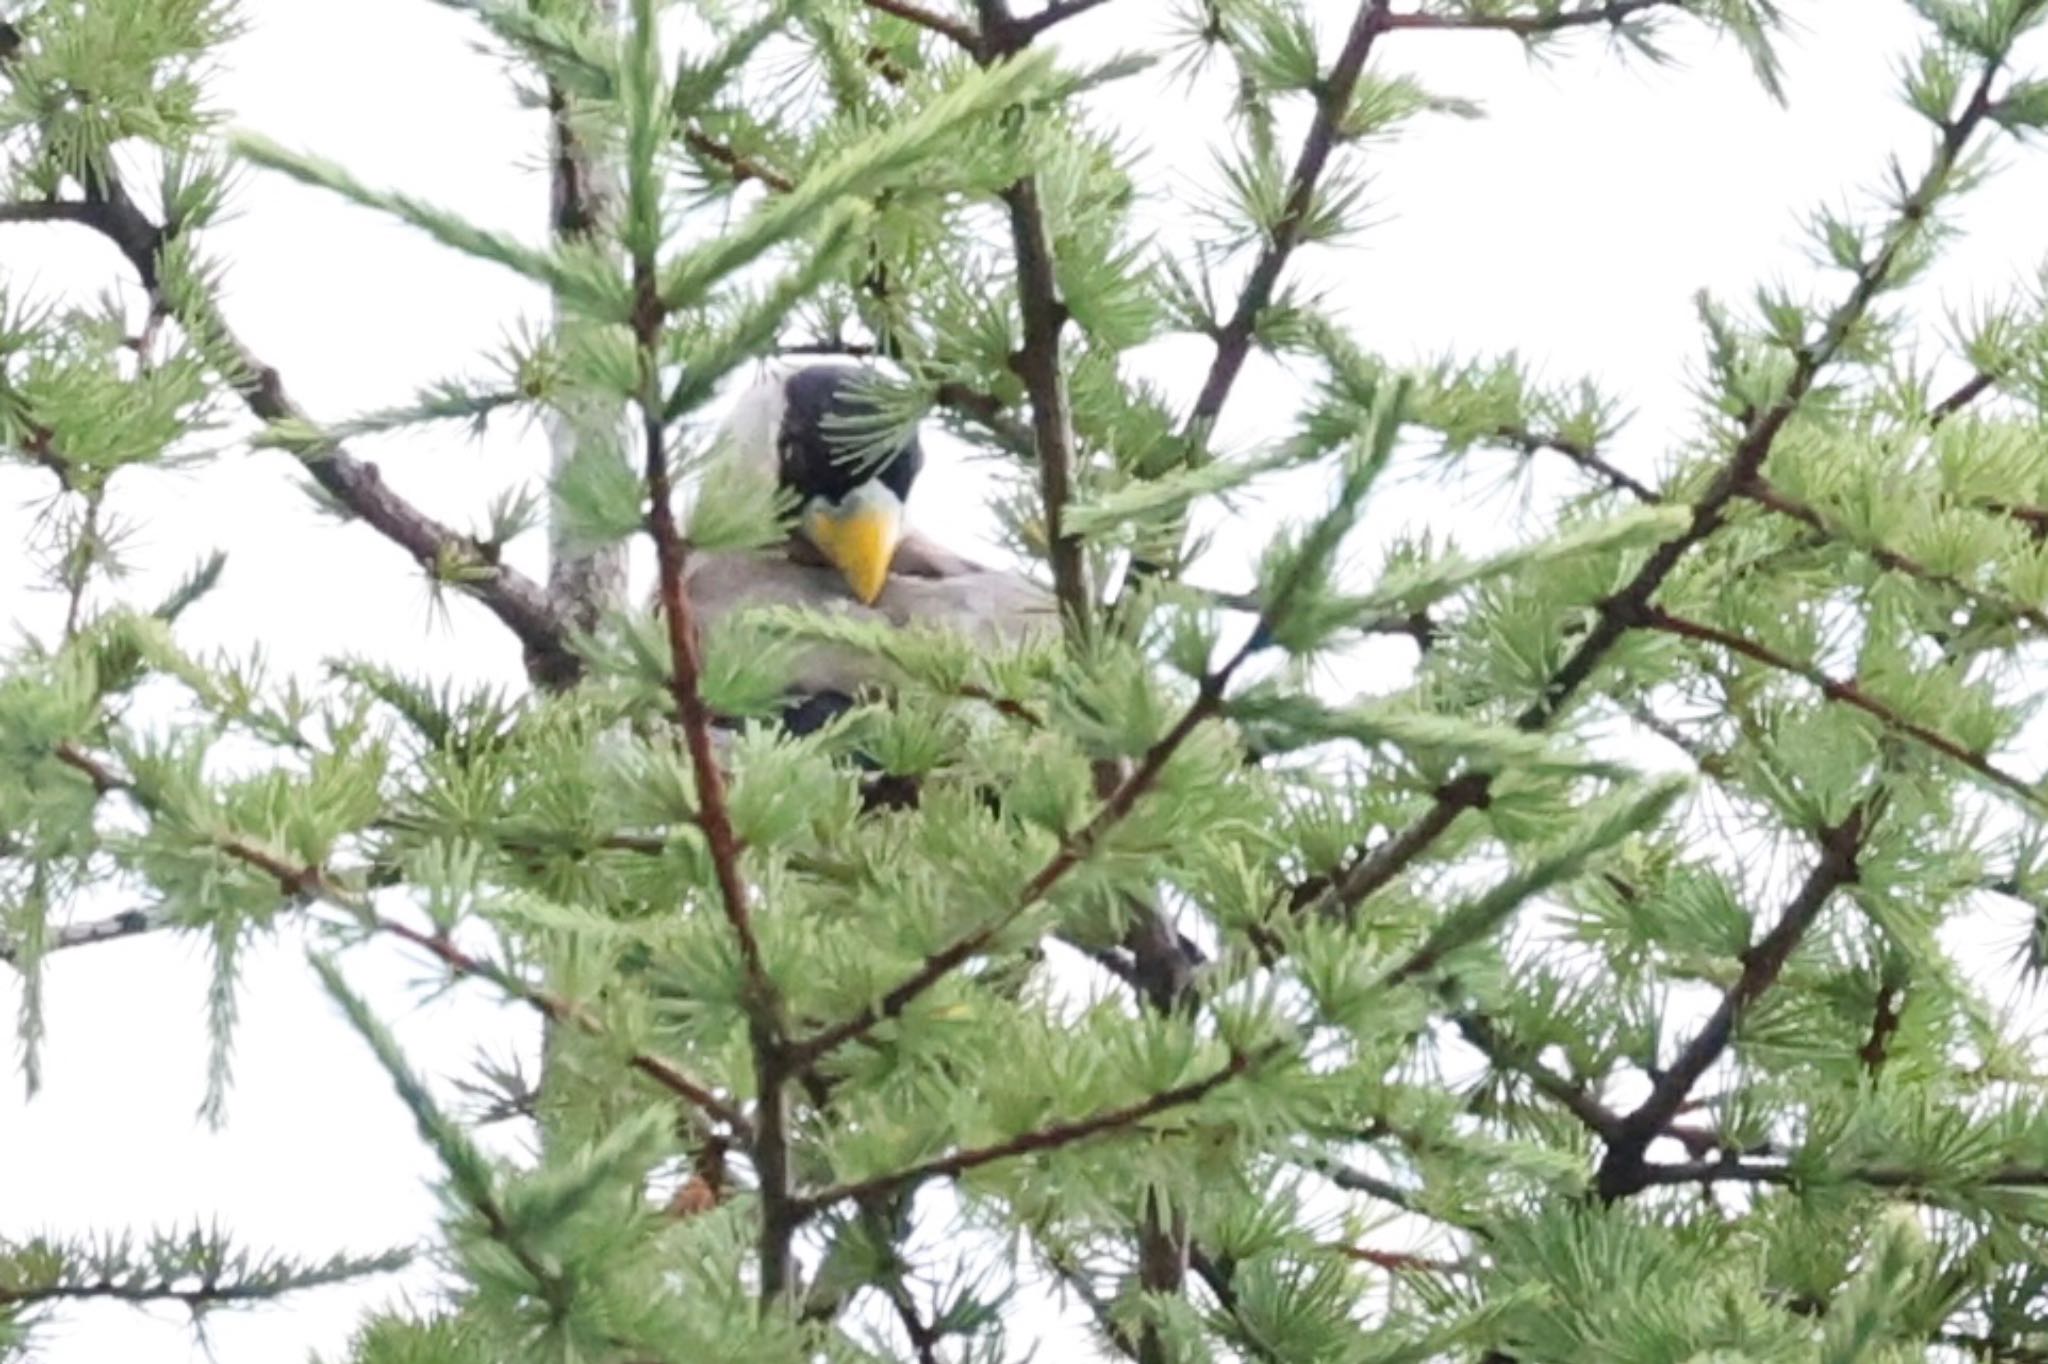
{"x": 989, "y": 606}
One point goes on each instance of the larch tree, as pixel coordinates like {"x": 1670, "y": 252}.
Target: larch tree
{"x": 1265, "y": 1010}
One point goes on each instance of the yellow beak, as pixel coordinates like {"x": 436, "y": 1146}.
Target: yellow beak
{"x": 859, "y": 537}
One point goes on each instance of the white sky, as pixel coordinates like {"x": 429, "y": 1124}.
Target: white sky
{"x": 1573, "y": 225}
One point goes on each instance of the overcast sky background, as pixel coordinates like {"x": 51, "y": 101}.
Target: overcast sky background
{"x": 1573, "y": 225}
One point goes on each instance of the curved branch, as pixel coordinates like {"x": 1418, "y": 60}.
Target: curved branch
{"x": 519, "y": 602}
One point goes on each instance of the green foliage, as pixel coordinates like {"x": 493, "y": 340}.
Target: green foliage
{"x": 1313, "y": 971}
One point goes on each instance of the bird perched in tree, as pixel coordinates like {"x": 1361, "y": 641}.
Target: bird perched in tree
{"x": 851, "y": 548}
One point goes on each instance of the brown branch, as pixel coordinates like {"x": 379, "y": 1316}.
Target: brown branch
{"x": 1847, "y": 693}
{"x": 1396, "y": 1261}
{"x": 2035, "y": 519}
{"x": 741, "y": 167}
{"x": 128, "y": 923}
{"x": 1053, "y": 14}
{"x": 779, "y": 1215}
{"x": 1039, "y": 365}
{"x": 1036, "y": 1141}
{"x": 1367, "y": 875}
{"x": 1875, "y": 1176}
{"x": 1480, "y": 1031}
{"x": 1581, "y": 454}
{"x": 1220, "y": 1276}
{"x": 1614, "y": 12}
{"x": 1886, "y": 1015}
{"x": 1630, "y": 607}
{"x": 1765, "y": 494}
{"x": 519, "y": 602}
{"x": 1076, "y": 1278}
{"x": 1072, "y": 852}
{"x": 105, "y": 780}
{"x": 1333, "y": 101}
{"x": 313, "y": 881}
{"x": 47, "y": 211}
{"x": 1622, "y": 1169}
{"x": 1973, "y": 388}
{"x": 714, "y": 814}
{"x": 953, "y": 30}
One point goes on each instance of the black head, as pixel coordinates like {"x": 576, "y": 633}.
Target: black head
{"x": 813, "y": 448}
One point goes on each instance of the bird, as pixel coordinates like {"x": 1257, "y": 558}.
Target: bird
{"x": 851, "y": 547}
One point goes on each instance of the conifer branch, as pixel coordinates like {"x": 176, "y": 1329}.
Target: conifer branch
{"x": 1368, "y": 874}
{"x": 1765, "y": 494}
{"x": 953, "y": 30}
{"x": 1621, "y": 1171}
{"x": 1885, "y": 1016}
{"x": 1971, "y": 389}
{"x": 741, "y": 167}
{"x": 1040, "y": 366}
{"x": 1219, "y": 1276}
{"x": 198, "y": 1270}
{"x": 312, "y": 881}
{"x": 1614, "y": 13}
{"x": 1058, "y": 12}
{"x": 1074, "y": 850}
{"x": 657, "y": 1068}
{"x": 1580, "y": 453}
{"x": 1333, "y": 101}
{"x": 779, "y": 1216}
{"x": 1874, "y": 1176}
{"x": 687, "y": 665}
{"x": 1629, "y": 608}
{"x": 1039, "y": 362}
{"x": 1076, "y": 1278}
{"x": 128, "y": 923}
{"x": 1848, "y": 693}
{"x": 517, "y": 601}
{"x": 1480, "y": 1031}
{"x": 1039, "y": 1140}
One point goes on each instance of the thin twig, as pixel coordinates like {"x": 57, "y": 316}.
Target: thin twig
{"x": 1848, "y": 693}
{"x": 1765, "y": 494}
{"x": 740, "y": 166}
{"x": 767, "y": 1035}
{"x": 1072, "y": 852}
{"x": 1581, "y": 454}
{"x": 1219, "y": 1275}
{"x": 314, "y": 881}
{"x": 1875, "y": 1176}
{"x": 1333, "y": 103}
{"x": 953, "y": 30}
{"x": 1058, "y": 12}
{"x": 1396, "y": 1261}
{"x": 1479, "y": 1030}
{"x": 1039, "y": 365}
{"x": 1629, "y": 608}
{"x": 1622, "y": 1169}
{"x": 1971, "y": 389}
{"x": 1886, "y": 1015}
{"x": 1036, "y": 1141}
{"x": 128, "y": 923}
{"x": 1615, "y": 12}
{"x": 519, "y": 602}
